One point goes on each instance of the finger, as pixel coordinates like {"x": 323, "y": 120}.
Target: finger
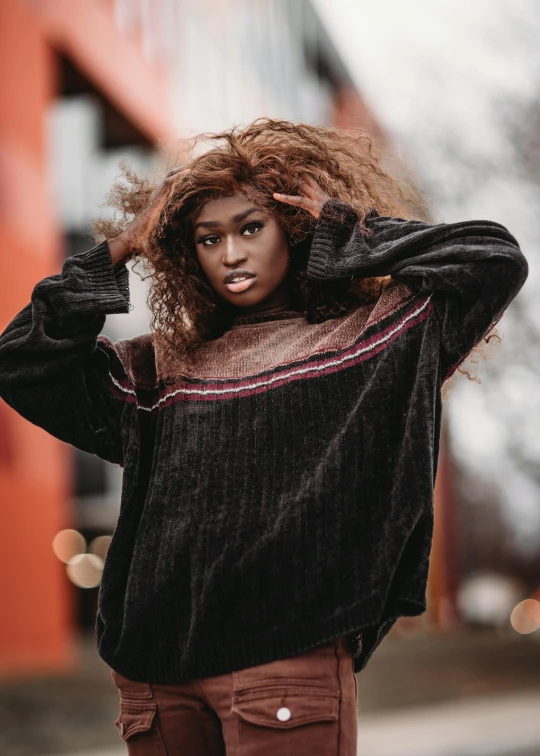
{"x": 174, "y": 176}
{"x": 290, "y": 199}
{"x": 311, "y": 187}
{"x": 312, "y": 182}
{"x": 308, "y": 191}
{"x": 176, "y": 169}
{"x": 312, "y": 206}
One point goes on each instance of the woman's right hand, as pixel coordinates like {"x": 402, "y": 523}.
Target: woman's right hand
{"x": 123, "y": 246}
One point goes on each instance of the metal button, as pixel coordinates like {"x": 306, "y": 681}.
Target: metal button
{"x": 283, "y": 714}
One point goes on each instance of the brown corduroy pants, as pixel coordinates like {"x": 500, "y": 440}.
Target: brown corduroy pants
{"x": 304, "y": 705}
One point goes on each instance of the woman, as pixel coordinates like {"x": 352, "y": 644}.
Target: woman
{"x": 278, "y": 429}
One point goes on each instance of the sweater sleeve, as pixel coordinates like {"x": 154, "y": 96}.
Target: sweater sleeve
{"x": 54, "y": 367}
{"x": 472, "y": 269}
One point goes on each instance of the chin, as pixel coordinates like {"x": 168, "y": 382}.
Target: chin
{"x": 246, "y": 299}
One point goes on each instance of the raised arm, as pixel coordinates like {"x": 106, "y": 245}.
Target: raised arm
{"x": 54, "y": 367}
{"x": 474, "y": 269}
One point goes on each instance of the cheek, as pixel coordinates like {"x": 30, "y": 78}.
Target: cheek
{"x": 279, "y": 251}
{"x": 207, "y": 264}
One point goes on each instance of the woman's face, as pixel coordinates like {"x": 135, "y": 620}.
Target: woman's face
{"x": 234, "y": 237}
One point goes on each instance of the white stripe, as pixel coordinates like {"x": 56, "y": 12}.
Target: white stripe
{"x": 281, "y": 376}
{"x": 125, "y": 390}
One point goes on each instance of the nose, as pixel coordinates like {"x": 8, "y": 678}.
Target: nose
{"x": 232, "y": 255}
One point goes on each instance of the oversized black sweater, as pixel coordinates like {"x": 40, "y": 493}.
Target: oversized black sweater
{"x": 279, "y": 492}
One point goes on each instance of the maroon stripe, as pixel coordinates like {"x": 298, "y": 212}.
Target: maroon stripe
{"x": 275, "y": 384}
{"x": 242, "y": 384}
{"x": 239, "y": 382}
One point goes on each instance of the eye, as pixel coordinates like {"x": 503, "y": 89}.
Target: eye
{"x": 208, "y": 241}
{"x": 252, "y": 227}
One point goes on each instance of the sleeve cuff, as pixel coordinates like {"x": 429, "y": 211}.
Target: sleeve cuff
{"x": 102, "y": 281}
{"x": 334, "y": 227}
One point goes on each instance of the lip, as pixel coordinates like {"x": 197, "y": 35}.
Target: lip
{"x": 238, "y": 287}
{"x": 236, "y": 272}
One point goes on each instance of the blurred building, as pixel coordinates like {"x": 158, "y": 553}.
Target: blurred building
{"x": 81, "y": 85}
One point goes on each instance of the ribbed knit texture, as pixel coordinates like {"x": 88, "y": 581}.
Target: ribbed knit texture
{"x": 279, "y": 492}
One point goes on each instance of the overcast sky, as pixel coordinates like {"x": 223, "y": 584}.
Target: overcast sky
{"x": 449, "y": 80}
{"x": 418, "y": 60}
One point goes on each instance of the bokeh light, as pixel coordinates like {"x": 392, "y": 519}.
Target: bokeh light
{"x": 85, "y": 570}
{"x": 100, "y": 546}
{"x": 525, "y": 617}
{"x": 67, "y": 543}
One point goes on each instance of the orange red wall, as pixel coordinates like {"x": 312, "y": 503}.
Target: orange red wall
{"x": 37, "y": 630}
{"x": 37, "y": 627}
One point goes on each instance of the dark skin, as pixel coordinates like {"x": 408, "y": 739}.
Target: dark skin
{"x": 232, "y": 233}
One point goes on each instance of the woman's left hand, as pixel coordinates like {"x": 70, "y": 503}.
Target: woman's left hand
{"x": 311, "y": 197}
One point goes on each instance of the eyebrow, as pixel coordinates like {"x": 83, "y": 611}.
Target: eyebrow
{"x": 234, "y": 218}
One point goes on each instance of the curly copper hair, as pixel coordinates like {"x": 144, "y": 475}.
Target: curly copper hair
{"x": 269, "y": 155}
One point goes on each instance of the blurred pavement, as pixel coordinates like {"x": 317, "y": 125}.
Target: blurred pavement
{"x": 490, "y": 726}
{"x": 472, "y": 693}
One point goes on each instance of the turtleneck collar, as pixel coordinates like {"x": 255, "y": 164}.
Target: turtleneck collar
{"x": 262, "y": 317}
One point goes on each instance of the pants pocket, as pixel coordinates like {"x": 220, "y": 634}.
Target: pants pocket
{"x": 279, "y": 718}
{"x": 138, "y": 728}
{"x": 137, "y": 721}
